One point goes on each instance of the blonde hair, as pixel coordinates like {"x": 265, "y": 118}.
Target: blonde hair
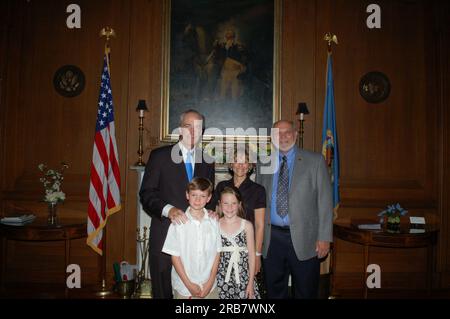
{"x": 200, "y": 183}
{"x": 233, "y": 191}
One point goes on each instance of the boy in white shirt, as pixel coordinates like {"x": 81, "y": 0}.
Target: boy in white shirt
{"x": 195, "y": 246}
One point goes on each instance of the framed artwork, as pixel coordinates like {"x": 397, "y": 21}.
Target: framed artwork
{"x": 221, "y": 57}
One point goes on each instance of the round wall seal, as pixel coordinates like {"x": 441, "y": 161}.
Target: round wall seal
{"x": 374, "y": 87}
{"x": 69, "y": 81}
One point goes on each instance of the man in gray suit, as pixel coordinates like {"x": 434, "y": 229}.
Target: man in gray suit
{"x": 299, "y": 224}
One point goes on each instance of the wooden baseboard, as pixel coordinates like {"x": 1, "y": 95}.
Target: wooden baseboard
{"x": 51, "y": 291}
{"x": 390, "y": 294}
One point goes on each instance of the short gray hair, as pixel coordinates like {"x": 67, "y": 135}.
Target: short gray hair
{"x": 191, "y": 111}
{"x": 285, "y": 121}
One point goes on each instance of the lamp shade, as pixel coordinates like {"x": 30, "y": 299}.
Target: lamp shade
{"x": 141, "y": 106}
{"x": 302, "y": 108}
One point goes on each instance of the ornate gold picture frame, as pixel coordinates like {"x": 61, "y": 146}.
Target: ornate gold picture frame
{"x": 222, "y": 58}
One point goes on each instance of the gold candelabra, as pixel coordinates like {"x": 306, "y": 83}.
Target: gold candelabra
{"x": 141, "y": 107}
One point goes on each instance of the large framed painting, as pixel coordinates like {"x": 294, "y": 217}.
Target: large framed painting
{"x": 221, "y": 57}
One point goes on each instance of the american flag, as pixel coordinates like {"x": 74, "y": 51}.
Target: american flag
{"x": 104, "y": 190}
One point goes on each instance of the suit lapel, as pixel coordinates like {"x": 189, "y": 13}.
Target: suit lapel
{"x": 298, "y": 169}
{"x": 180, "y": 166}
{"x": 266, "y": 179}
{"x": 198, "y": 163}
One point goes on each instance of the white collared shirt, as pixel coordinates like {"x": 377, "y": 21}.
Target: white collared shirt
{"x": 197, "y": 243}
{"x": 184, "y": 152}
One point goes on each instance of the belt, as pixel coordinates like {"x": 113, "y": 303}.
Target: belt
{"x": 281, "y": 228}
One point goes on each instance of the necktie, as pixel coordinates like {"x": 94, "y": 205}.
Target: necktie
{"x": 283, "y": 189}
{"x": 188, "y": 165}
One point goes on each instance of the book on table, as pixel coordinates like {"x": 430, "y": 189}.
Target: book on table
{"x": 366, "y": 224}
{"x": 18, "y": 220}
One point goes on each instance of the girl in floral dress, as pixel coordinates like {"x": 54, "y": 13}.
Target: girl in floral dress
{"x": 236, "y": 274}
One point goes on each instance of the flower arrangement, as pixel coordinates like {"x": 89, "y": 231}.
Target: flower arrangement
{"x": 52, "y": 181}
{"x": 222, "y": 151}
{"x": 393, "y": 213}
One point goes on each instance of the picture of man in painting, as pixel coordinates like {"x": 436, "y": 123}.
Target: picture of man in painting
{"x": 232, "y": 57}
{"x": 222, "y": 61}
{"x": 196, "y": 64}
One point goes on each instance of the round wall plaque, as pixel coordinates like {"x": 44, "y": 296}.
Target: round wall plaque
{"x": 69, "y": 81}
{"x": 374, "y": 87}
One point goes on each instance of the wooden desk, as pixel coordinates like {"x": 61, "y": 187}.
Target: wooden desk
{"x": 38, "y": 230}
{"x": 381, "y": 238}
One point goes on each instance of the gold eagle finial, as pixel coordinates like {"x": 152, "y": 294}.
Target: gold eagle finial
{"x": 107, "y": 32}
{"x": 330, "y": 38}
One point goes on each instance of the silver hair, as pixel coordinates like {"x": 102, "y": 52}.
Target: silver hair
{"x": 191, "y": 111}
{"x": 285, "y": 121}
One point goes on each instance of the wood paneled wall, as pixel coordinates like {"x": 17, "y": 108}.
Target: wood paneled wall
{"x": 443, "y": 94}
{"x": 395, "y": 151}
{"x": 41, "y": 126}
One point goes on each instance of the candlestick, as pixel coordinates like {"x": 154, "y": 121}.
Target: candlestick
{"x": 141, "y": 107}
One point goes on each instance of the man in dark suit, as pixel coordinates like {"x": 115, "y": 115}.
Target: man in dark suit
{"x": 299, "y": 222}
{"x": 163, "y": 192}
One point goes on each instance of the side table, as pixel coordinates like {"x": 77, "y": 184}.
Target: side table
{"x": 404, "y": 238}
{"x": 39, "y": 230}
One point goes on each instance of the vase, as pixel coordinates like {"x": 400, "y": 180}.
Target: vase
{"x": 52, "y": 214}
{"x": 393, "y": 226}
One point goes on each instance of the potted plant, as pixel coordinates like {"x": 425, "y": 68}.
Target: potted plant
{"x": 391, "y": 216}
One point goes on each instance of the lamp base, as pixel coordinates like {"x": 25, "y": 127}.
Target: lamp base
{"x": 139, "y": 164}
{"x": 104, "y": 291}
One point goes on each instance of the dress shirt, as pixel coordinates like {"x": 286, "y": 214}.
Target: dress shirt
{"x": 197, "y": 243}
{"x": 274, "y": 217}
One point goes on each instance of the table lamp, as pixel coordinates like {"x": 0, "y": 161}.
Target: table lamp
{"x": 302, "y": 110}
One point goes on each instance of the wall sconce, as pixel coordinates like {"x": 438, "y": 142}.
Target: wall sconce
{"x": 141, "y": 107}
{"x": 302, "y": 110}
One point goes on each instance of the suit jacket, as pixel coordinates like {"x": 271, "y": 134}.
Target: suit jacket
{"x": 165, "y": 182}
{"x": 310, "y": 204}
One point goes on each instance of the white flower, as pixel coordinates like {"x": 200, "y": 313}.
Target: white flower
{"x": 56, "y": 186}
{"x": 52, "y": 182}
{"x": 55, "y": 197}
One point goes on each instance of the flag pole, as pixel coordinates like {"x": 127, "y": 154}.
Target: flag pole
{"x": 326, "y": 267}
{"x": 104, "y": 291}
{"x": 330, "y": 38}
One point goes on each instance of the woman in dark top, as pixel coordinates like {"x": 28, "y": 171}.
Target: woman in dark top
{"x": 253, "y": 198}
